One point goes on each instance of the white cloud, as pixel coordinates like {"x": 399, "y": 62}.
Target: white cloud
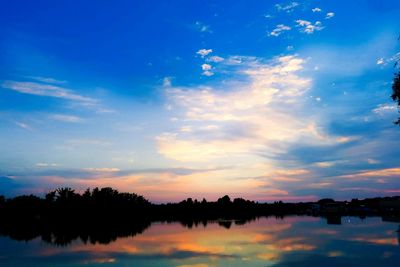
{"x": 384, "y": 109}
{"x": 208, "y": 73}
{"x": 206, "y": 67}
{"x": 317, "y": 9}
{"x": 207, "y": 70}
{"x": 329, "y": 15}
{"x": 279, "y": 29}
{"x": 204, "y": 52}
{"x": 41, "y": 89}
{"x": 288, "y": 8}
{"x": 215, "y": 59}
{"x": 260, "y": 115}
{"x": 308, "y": 27}
{"x": 66, "y": 118}
{"x": 380, "y": 61}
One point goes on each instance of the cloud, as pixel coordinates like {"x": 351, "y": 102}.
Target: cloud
{"x": 325, "y": 164}
{"x": 102, "y": 170}
{"x": 280, "y": 28}
{"x": 167, "y": 82}
{"x": 23, "y": 125}
{"x": 49, "y": 87}
{"x": 388, "y": 172}
{"x": 308, "y": 27}
{"x": 208, "y": 73}
{"x": 257, "y": 115}
{"x": 47, "y": 80}
{"x": 41, "y": 89}
{"x": 207, "y": 70}
{"x": 215, "y": 59}
{"x": 383, "y": 109}
{"x": 287, "y": 8}
{"x": 317, "y": 9}
{"x": 204, "y": 52}
{"x": 380, "y": 61}
{"x": 67, "y": 118}
{"x": 373, "y": 161}
{"x": 329, "y": 15}
{"x": 206, "y": 67}
{"x": 44, "y": 164}
{"x": 201, "y": 27}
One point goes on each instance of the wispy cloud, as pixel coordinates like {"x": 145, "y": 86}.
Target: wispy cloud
{"x": 47, "y": 80}
{"x": 102, "y": 170}
{"x": 45, "y": 164}
{"x": 317, "y": 9}
{"x": 42, "y": 89}
{"x": 201, "y": 27}
{"x": 384, "y": 109}
{"x": 67, "y": 118}
{"x": 280, "y": 28}
{"x": 287, "y": 8}
{"x": 23, "y": 125}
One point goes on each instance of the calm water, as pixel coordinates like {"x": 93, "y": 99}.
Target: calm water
{"x": 292, "y": 241}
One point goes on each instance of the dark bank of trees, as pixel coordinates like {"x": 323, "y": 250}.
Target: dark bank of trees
{"x": 103, "y": 215}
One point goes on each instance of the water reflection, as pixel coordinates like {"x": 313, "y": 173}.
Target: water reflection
{"x": 289, "y": 241}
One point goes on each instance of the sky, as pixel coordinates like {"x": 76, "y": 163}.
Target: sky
{"x": 266, "y": 100}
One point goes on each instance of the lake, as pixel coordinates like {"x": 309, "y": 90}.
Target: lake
{"x": 288, "y": 241}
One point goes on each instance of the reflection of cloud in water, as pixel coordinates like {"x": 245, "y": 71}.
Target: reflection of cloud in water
{"x": 292, "y": 241}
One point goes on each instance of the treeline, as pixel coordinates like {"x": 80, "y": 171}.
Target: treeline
{"x": 103, "y": 215}
{"x": 107, "y": 203}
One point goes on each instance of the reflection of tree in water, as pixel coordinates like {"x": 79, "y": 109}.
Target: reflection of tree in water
{"x": 64, "y": 233}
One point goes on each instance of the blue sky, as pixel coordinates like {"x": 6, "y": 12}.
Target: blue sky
{"x": 266, "y": 100}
